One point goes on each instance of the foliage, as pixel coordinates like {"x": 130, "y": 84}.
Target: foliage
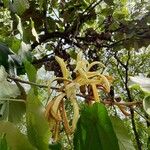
{"x": 14, "y": 138}
{"x": 93, "y": 58}
{"x": 94, "y": 129}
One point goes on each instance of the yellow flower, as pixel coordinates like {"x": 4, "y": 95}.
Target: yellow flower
{"x": 84, "y": 77}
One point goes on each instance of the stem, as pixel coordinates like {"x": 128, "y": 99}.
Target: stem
{"x": 64, "y": 126}
{"x": 27, "y": 82}
{"x": 125, "y": 66}
{"x": 11, "y": 99}
{"x": 69, "y": 140}
{"x": 147, "y": 120}
{"x": 139, "y": 145}
{"x": 128, "y": 104}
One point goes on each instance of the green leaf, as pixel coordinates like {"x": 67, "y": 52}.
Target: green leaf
{"x": 37, "y": 126}
{"x": 34, "y": 31}
{"x": 7, "y": 89}
{"x": 41, "y": 2}
{"x": 56, "y": 146}
{"x": 15, "y": 139}
{"x": 73, "y": 54}
{"x": 146, "y": 104}
{"x": 122, "y": 133}
{"x": 123, "y": 1}
{"x": 135, "y": 87}
{"x": 144, "y": 82}
{"x": 109, "y": 2}
{"x": 51, "y": 23}
{"x": 3, "y": 143}
{"x": 12, "y": 111}
{"x": 19, "y": 26}
{"x": 94, "y": 130}
{"x": 31, "y": 71}
{"x": 148, "y": 143}
{"x": 4, "y": 110}
{"x": 14, "y": 44}
{"x": 121, "y": 13}
{"x": 20, "y": 6}
{"x": 16, "y": 111}
{"x": 6, "y": 3}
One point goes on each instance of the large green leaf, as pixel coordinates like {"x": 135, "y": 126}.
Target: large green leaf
{"x": 37, "y": 126}
{"x": 122, "y": 133}
{"x": 94, "y": 130}
{"x": 15, "y": 139}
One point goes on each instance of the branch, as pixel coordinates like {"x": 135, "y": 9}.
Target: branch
{"x": 53, "y": 35}
{"x": 128, "y": 104}
{"x": 26, "y": 82}
{"x": 48, "y": 36}
{"x": 90, "y": 7}
{"x": 12, "y": 99}
{"x": 66, "y": 34}
{"x": 139, "y": 145}
{"x": 147, "y": 120}
{"x": 119, "y": 61}
{"x": 125, "y": 66}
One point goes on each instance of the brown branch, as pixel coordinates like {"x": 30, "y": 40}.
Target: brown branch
{"x": 128, "y": 104}
{"x": 48, "y": 36}
{"x": 119, "y": 61}
{"x": 53, "y": 35}
{"x": 26, "y": 82}
{"x": 147, "y": 120}
{"x": 139, "y": 145}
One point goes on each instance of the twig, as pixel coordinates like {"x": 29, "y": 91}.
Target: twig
{"x": 128, "y": 104}
{"x": 65, "y": 128}
{"x": 27, "y": 82}
{"x": 55, "y": 13}
{"x": 90, "y": 7}
{"x": 69, "y": 140}
{"x": 141, "y": 115}
{"x": 40, "y": 85}
{"x": 11, "y": 99}
{"x": 119, "y": 61}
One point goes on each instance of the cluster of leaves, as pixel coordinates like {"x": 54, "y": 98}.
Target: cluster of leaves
{"x": 91, "y": 48}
